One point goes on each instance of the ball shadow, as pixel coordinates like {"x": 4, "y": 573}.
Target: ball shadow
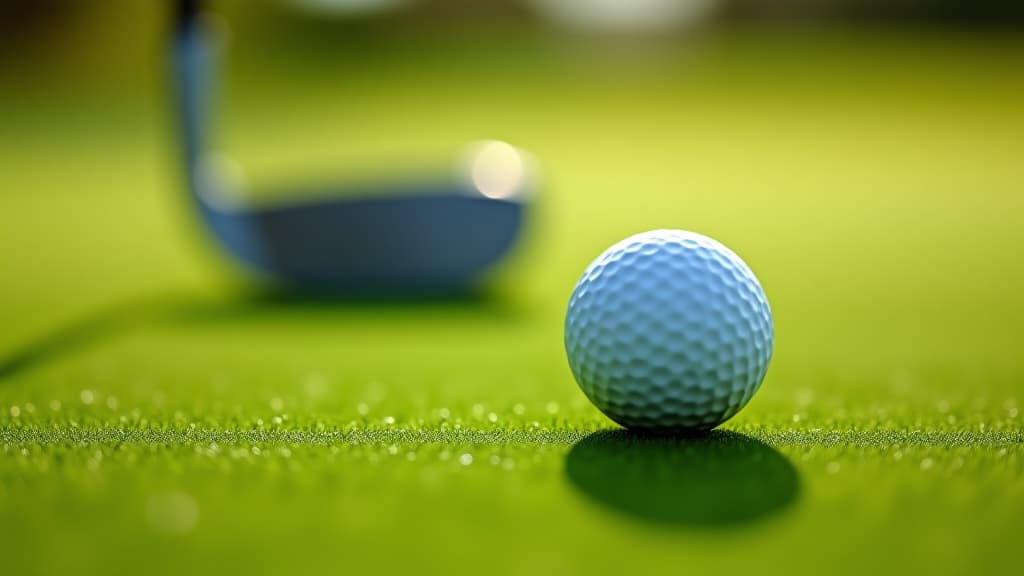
{"x": 719, "y": 479}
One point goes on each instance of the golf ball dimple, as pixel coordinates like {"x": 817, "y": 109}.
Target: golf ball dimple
{"x": 669, "y": 331}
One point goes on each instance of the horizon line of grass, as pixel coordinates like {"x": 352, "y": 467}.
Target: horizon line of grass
{"x": 68, "y": 435}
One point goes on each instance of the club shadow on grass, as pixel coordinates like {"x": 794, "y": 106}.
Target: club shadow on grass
{"x": 132, "y": 316}
{"x": 721, "y": 479}
{"x": 103, "y": 323}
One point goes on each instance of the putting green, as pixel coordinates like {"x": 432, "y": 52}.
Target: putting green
{"x": 158, "y": 417}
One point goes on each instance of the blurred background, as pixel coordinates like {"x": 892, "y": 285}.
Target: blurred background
{"x": 863, "y": 156}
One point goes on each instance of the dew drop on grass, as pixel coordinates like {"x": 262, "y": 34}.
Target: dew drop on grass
{"x": 804, "y": 397}
{"x": 316, "y": 385}
{"x": 466, "y": 459}
{"x": 172, "y": 513}
{"x": 375, "y": 392}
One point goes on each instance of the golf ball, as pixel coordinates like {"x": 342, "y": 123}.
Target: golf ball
{"x": 669, "y": 331}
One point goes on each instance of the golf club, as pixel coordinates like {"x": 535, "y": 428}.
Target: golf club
{"x": 397, "y": 237}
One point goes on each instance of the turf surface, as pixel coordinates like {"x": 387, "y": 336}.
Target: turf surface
{"x": 157, "y": 417}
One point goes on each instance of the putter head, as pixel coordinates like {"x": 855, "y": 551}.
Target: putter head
{"x": 399, "y": 238}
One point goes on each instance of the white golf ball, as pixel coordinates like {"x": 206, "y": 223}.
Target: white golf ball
{"x": 669, "y": 331}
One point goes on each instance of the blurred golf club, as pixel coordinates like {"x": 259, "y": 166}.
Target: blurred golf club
{"x": 391, "y": 237}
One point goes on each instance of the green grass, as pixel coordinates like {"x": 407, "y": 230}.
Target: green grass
{"x": 157, "y": 417}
